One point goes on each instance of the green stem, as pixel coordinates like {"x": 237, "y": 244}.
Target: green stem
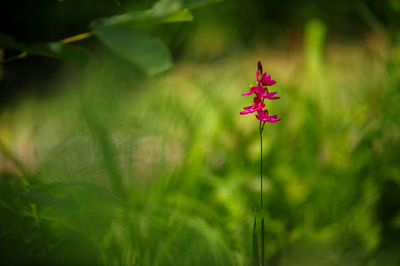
{"x": 261, "y": 195}
{"x": 71, "y": 39}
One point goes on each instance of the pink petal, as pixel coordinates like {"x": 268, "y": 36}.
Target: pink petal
{"x": 270, "y": 83}
{"x": 248, "y": 110}
{"x": 274, "y": 120}
{"x": 267, "y": 81}
{"x": 269, "y": 96}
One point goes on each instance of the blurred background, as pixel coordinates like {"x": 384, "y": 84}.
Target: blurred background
{"x": 142, "y": 158}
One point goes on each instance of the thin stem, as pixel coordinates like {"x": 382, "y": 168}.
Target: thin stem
{"x": 77, "y": 37}
{"x": 261, "y": 193}
{"x": 71, "y": 39}
{"x": 14, "y": 58}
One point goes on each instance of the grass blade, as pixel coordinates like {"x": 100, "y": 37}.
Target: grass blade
{"x": 262, "y": 241}
{"x": 44, "y": 199}
{"x": 76, "y": 184}
{"x": 108, "y": 150}
{"x": 256, "y": 261}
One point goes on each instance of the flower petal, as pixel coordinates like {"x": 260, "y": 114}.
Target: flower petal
{"x": 274, "y": 120}
{"x": 266, "y": 80}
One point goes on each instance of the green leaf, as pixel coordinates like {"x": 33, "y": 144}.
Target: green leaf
{"x": 44, "y": 199}
{"x": 135, "y": 45}
{"x": 194, "y": 4}
{"x": 142, "y": 18}
{"x": 64, "y": 52}
{"x": 163, "y": 7}
{"x": 162, "y": 12}
{"x": 178, "y": 16}
{"x": 75, "y": 184}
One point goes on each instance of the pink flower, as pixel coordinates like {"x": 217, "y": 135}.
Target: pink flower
{"x": 257, "y": 106}
{"x": 261, "y": 93}
{"x": 265, "y": 79}
{"x": 262, "y": 115}
{"x": 259, "y": 90}
{"x": 269, "y": 96}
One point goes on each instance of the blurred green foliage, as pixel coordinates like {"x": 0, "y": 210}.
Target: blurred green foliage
{"x": 121, "y": 33}
{"x": 113, "y": 168}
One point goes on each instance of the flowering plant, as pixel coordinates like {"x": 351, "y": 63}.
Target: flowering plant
{"x": 261, "y": 92}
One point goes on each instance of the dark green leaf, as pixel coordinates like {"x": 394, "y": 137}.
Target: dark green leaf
{"x": 148, "y": 52}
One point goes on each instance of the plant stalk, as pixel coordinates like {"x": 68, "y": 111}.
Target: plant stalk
{"x": 261, "y": 195}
